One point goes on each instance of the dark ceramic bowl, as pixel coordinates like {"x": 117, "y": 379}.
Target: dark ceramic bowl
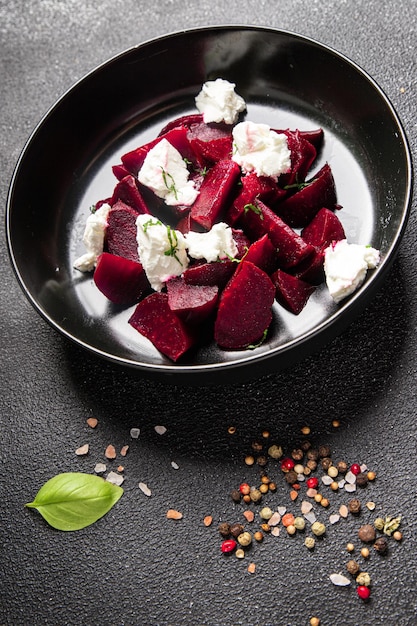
{"x": 287, "y": 81}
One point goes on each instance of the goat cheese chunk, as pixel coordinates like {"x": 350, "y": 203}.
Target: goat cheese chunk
{"x": 259, "y": 149}
{"x": 164, "y": 171}
{"x": 162, "y": 250}
{"x": 217, "y": 243}
{"x": 346, "y": 265}
{"x": 93, "y": 239}
{"x": 218, "y": 102}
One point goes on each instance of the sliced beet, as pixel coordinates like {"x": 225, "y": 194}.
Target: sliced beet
{"x": 323, "y": 229}
{"x": 245, "y": 308}
{"x": 121, "y": 280}
{"x": 263, "y": 254}
{"x": 128, "y": 192}
{"x": 215, "y": 193}
{"x": 213, "y": 150}
{"x": 254, "y": 187}
{"x": 215, "y": 273}
{"x": 193, "y": 303}
{"x": 313, "y": 136}
{"x": 311, "y": 269}
{"x": 299, "y": 209}
{"x": 303, "y": 154}
{"x": 258, "y": 220}
{"x": 154, "y": 320}
{"x": 121, "y": 231}
{"x": 177, "y": 137}
{"x": 291, "y": 292}
{"x": 120, "y": 171}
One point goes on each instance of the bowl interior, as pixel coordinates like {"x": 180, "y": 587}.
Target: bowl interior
{"x": 288, "y": 81}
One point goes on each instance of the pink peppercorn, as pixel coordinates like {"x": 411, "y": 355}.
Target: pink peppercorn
{"x": 312, "y": 483}
{"x": 355, "y": 468}
{"x": 228, "y": 546}
{"x": 363, "y": 592}
{"x": 287, "y": 464}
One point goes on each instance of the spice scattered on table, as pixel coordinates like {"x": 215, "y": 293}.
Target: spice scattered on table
{"x": 82, "y": 450}
{"x": 145, "y": 489}
{"x": 110, "y": 452}
{"x": 173, "y": 514}
{"x": 92, "y": 422}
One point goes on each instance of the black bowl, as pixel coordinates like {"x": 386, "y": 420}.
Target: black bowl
{"x": 287, "y": 81}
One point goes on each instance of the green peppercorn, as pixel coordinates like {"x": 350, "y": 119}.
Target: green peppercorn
{"x": 245, "y": 539}
{"x": 266, "y": 513}
{"x": 318, "y": 529}
{"x": 379, "y": 523}
{"x": 299, "y": 523}
{"x": 363, "y": 579}
{"x": 309, "y": 542}
{"x": 255, "y": 494}
{"x": 275, "y": 452}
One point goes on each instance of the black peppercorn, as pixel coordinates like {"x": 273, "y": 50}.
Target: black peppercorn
{"x": 262, "y": 460}
{"x": 236, "y": 530}
{"x": 312, "y": 454}
{"x": 306, "y": 445}
{"x": 224, "y": 529}
{"x": 354, "y": 506}
{"x": 297, "y": 454}
{"x": 326, "y": 462}
{"x": 291, "y": 477}
{"x": 366, "y": 533}
{"x": 342, "y": 467}
{"x": 361, "y": 480}
{"x": 324, "y": 451}
{"x": 235, "y": 495}
{"x": 256, "y": 446}
{"x": 381, "y": 545}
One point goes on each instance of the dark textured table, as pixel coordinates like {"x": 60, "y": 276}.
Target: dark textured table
{"x": 135, "y": 566}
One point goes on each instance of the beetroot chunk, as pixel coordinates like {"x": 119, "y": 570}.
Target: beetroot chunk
{"x": 215, "y": 193}
{"x": 323, "y": 229}
{"x": 291, "y": 292}
{"x": 254, "y": 188}
{"x": 128, "y": 192}
{"x": 121, "y": 231}
{"x": 245, "y": 308}
{"x": 122, "y": 281}
{"x": 154, "y": 320}
{"x": 193, "y": 303}
{"x": 303, "y": 154}
{"x": 263, "y": 254}
{"x": 300, "y": 208}
{"x": 258, "y": 220}
{"x": 216, "y": 273}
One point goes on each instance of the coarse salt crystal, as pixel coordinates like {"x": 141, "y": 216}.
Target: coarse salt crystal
{"x": 350, "y": 488}
{"x": 161, "y": 430}
{"x": 83, "y": 450}
{"x": 310, "y": 493}
{"x": 174, "y": 465}
{"x": 134, "y": 433}
{"x": 306, "y": 507}
{"x": 145, "y": 489}
{"x": 275, "y": 531}
{"x": 334, "y": 518}
{"x": 114, "y": 478}
{"x": 310, "y": 517}
{"x": 341, "y": 483}
{"x": 110, "y": 452}
{"x": 326, "y": 479}
{"x": 282, "y": 510}
{"x": 364, "y": 468}
{"x": 343, "y": 511}
{"x": 300, "y": 478}
{"x": 350, "y": 478}
{"x": 100, "y": 468}
{"x": 339, "y": 580}
{"x": 275, "y": 519}
{"x": 92, "y": 422}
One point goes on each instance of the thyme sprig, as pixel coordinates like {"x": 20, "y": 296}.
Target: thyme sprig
{"x": 166, "y": 177}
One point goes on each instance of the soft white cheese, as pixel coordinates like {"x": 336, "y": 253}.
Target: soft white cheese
{"x": 216, "y": 244}
{"x": 162, "y": 250}
{"x": 346, "y": 265}
{"x": 93, "y": 239}
{"x": 259, "y": 149}
{"x": 218, "y": 102}
{"x": 165, "y": 172}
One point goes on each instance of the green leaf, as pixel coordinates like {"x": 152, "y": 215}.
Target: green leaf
{"x": 74, "y": 500}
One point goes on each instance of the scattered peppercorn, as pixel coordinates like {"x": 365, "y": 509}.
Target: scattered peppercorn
{"x": 228, "y": 546}
{"x": 258, "y": 536}
{"x": 309, "y": 542}
{"x": 245, "y": 539}
{"x": 324, "y": 502}
{"x": 312, "y": 482}
{"x": 353, "y": 567}
{"x": 255, "y": 494}
{"x": 297, "y": 454}
{"x": 363, "y": 579}
{"x": 235, "y": 495}
{"x": 362, "y": 479}
{"x": 249, "y": 460}
{"x": 312, "y": 454}
{"x": 350, "y": 547}
{"x": 326, "y": 462}
{"x": 291, "y": 529}
{"x": 314, "y": 621}
{"x": 363, "y": 592}
{"x": 379, "y": 523}
{"x": 266, "y": 513}
{"x": 318, "y": 529}
{"x": 371, "y": 476}
{"x": 236, "y": 530}
{"x": 306, "y": 430}
{"x": 291, "y": 477}
{"x": 397, "y": 535}
{"x": 332, "y": 471}
{"x": 275, "y": 452}
{"x": 224, "y": 529}
{"x": 365, "y": 553}
{"x": 264, "y": 488}
{"x": 240, "y": 554}
{"x": 262, "y": 460}
{"x": 256, "y": 446}
{"x": 324, "y": 451}
{"x": 354, "y": 506}
{"x": 381, "y": 545}
{"x": 342, "y": 467}
{"x": 355, "y": 468}
{"x": 366, "y": 533}
{"x": 244, "y": 489}
{"x": 287, "y": 464}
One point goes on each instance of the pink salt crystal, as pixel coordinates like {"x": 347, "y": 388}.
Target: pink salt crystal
{"x": 92, "y": 422}
{"x": 310, "y": 493}
{"x": 83, "y": 450}
{"x": 124, "y": 450}
{"x": 110, "y": 452}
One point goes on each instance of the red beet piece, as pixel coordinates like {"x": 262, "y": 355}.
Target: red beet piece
{"x": 193, "y": 303}
{"x": 291, "y": 292}
{"x": 119, "y": 171}
{"x": 213, "y": 150}
{"x": 263, "y": 254}
{"x": 324, "y": 228}
{"x": 254, "y": 187}
{"x": 216, "y": 273}
{"x": 313, "y": 136}
{"x": 127, "y": 191}
{"x": 194, "y": 119}
{"x": 303, "y": 154}
{"x": 154, "y": 320}
{"x": 311, "y": 270}
{"x": 245, "y": 308}
{"x": 197, "y": 127}
{"x": 258, "y": 220}
{"x": 121, "y": 231}
{"x": 177, "y": 137}
{"x": 215, "y": 193}
{"x": 299, "y": 209}
{"x": 122, "y": 281}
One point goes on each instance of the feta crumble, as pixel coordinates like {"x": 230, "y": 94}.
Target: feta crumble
{"x": 346, "y": 265}
{"x": 259, "y": 149}
{"x": 164, "y": 171}
{"x": 93, "y": 239}
{"x": 216, "y": 244}
{"x": 218, "y": 102}
{"x": 162, "y": 250}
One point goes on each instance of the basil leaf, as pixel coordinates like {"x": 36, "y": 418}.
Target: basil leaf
{"x": 74, "y": 500}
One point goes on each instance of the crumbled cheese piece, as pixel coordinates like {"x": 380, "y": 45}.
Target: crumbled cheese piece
{"x": 93, "y": 239}
{"x": 259, "y": 149}
{"x": 162, "y": 250}
{"x": 218, "y": 102}
{"x": 345, "y": 266}
{"x": 165, "y": 172}
{"x": 216, "y": 244}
